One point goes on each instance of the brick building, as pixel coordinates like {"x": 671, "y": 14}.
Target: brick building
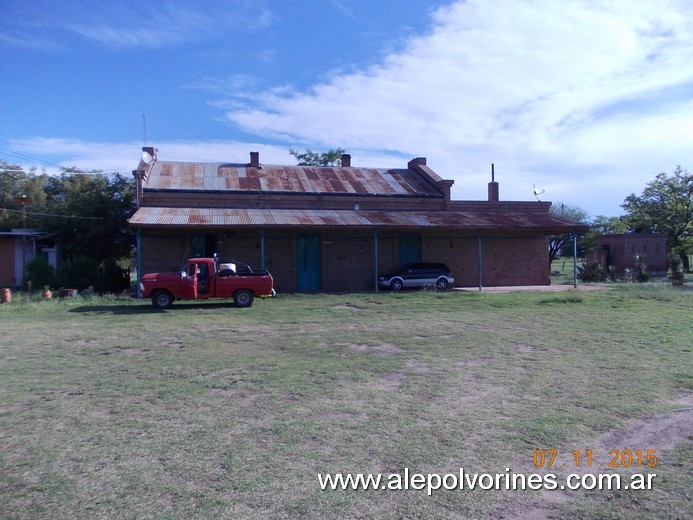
{"x": 619, "y": 252}
{"x": 336, "y": 228}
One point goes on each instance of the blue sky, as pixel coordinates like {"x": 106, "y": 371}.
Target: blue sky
{"x": 587, "y": 100}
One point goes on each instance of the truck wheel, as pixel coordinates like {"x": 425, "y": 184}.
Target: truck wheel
{"x": 243, "y": 298}
{"x": 162, "y": 299}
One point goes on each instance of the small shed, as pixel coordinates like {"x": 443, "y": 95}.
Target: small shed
{"x": 622, "y": 251}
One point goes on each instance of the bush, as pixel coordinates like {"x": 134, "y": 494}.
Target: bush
{"x": 79, "y": 273}
{"x": 676, "y": 275}
{"x": 640, "y": 274}
{"x": 40, "y": 273}
{"x": 111, "y": 278}
{"x": 591, "y": 272}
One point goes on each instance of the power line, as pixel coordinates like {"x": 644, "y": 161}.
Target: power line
{"x": 51, "y": 214}
{"x": 29, "y": 158}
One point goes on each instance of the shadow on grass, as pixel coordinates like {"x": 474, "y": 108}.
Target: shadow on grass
{"x": 148, "y": 309}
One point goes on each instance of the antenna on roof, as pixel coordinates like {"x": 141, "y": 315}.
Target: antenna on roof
{"x": 537, "y": 192}
{"x": 493, "y": 173}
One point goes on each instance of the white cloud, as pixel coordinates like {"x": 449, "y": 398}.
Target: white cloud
{"x": 533, "y": 86}
{"x": 124, "y": 157}
{"x": 154, "y": 24}
{"x": 588, "y": 100}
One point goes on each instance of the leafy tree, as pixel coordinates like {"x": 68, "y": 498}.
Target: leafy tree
{"x": 559, "y": 243}
{"x": 15, "y": 183}
{"x": 311, "y": 158}
{"x": 89, "y": 214}
{"x": 665, "y": 206}
{"x": 602, "y": 225}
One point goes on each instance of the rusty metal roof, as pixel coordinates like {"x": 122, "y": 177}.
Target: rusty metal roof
{"x": 221, "y": 217}
{"x": 287, "y": 179}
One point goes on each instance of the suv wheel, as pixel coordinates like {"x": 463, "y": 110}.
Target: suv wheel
{"x": 442, "y": 284}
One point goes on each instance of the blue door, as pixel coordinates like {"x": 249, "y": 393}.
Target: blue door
{"x": 409, "y": 248}
{"x": 309, "y": 263}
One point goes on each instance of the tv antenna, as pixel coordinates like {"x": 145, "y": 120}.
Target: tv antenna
{"x": 537, "y": 192}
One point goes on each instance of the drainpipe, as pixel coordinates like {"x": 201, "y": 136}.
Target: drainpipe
{"x": 262, "y": 248}
{"x": 478, "y": 242}
{"x": 375, "y": 242}
{"x": 574, "y": 260}
{"x": 139, "y": 263}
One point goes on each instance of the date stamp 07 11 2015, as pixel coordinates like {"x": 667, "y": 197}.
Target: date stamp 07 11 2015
{"x": 585, "y": 458}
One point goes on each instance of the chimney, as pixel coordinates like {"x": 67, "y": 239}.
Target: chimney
{"x": 150, "y": 150}
{"x": 255, "y": 159}
{"x": 346, "y": 160}
{"x": 493, "y": 187}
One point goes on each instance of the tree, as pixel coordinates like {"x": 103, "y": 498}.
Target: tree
{"x": 602, "y": 225}
{"x": 558, "y": 243}
{"x": 311, "y": 158}
{"x": 89, "y": 214}
{"x": 15, "y": 183}
{"x": 665, "y": 206}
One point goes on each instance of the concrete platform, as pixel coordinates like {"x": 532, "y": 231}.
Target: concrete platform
{"x": 534, "y": 288}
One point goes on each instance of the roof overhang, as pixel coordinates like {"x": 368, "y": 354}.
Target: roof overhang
{"x": 160, "y": 217}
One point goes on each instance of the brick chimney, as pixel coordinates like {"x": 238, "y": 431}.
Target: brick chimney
{"x": 346, "y": 160}
{"x": 493, "y": 195}
{"x": 255, "y": 159}
{"x": 150, "y": 150}
{"x": 418, "y": 164}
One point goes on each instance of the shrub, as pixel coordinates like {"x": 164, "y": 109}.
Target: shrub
{"x": 78, "y": 273}
{"x": 591, "y": 272}
{"x": 40, "y": 273}
{"x": 640, "y": 273}
{"x": 111, "y": 278}
{"x": 676, "y": 275}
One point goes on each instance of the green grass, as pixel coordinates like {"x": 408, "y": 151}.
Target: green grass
{"x": 111, "y": 409}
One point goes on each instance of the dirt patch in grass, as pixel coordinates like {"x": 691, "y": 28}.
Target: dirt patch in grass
{"x": 382, "y": 349}
{"x": 388, "y": 382}
{"x": 663, "y": 432}
{"x": 350, "y": 307}
{"x": 524, "y": 349}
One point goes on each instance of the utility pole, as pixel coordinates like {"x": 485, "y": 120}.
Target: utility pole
{"x": 24, "y": 201}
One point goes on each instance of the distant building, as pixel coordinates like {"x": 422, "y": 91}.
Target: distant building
{"x": 18, "y": 247}
{"x": 336, "y": 228}
{"x": 619, "y": 252}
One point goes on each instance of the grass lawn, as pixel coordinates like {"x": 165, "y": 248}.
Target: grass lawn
{"x": 111, "y": 409}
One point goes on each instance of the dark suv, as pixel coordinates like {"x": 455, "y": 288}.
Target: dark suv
{"x": 418, "y": 275}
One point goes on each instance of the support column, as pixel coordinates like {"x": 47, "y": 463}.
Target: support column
{"x": 262, "y": 248}
{"x": 139, "y": 263}
{"x": 375, "y": 245}
{"x": 478, "y": 245}
{"x": 574, "y": 260}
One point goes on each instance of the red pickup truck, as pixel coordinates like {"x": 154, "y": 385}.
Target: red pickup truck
{"x": 203, "y": 278}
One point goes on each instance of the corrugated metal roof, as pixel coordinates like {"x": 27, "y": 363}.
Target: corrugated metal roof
{"x": 287, "y": 179}
{"x": 220, "y": 217}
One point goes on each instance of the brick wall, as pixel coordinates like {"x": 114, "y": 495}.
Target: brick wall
{"x": 619, "y": 251}
{"x": 7, "y": 279}
{"x": 348, "y": 257}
